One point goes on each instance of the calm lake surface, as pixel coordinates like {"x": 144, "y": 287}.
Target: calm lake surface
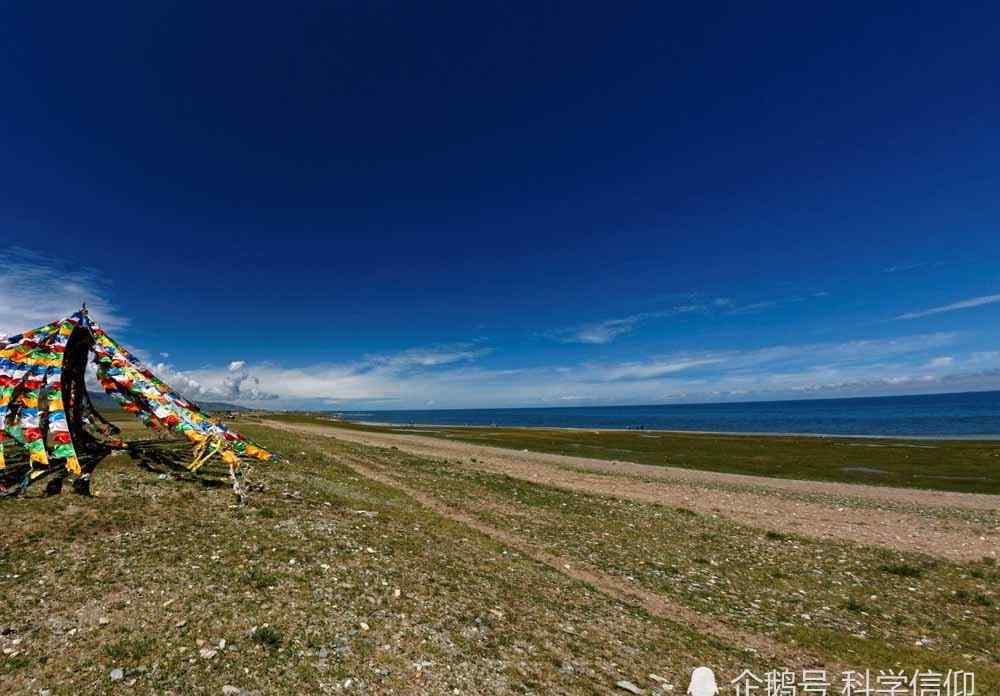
{"x": 974, "y": 414}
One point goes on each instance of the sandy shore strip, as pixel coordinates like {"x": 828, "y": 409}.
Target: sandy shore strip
{"x": 911, "y": 520}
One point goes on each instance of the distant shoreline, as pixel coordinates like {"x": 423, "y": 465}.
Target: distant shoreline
{"x": 973, "y": 416}
{"x": 728, "y": 433}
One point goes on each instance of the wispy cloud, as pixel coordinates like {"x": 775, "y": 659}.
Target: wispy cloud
{"x": 940, "y": 362}
{"x": 430, "y": 356}
{"x": 763, "y": 305}
{"x": 654, "y": 368}
{"x": 905, "y": 267}
{"x": 602, "y": 331}
{"x": 375, "y": 378}
{"x": 964, "y": 304}
{"x": 457, "y": 377}
{"x": 607, "y": 330}
{"x": 754, "y": 307}
{"x": 36, "y": 289}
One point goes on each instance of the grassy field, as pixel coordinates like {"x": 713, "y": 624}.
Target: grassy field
{"x": 952, "y": 465}
{"x": 326, "y": 582}
{"x": 839, "y": 599}
{"x": 339, "y": 577}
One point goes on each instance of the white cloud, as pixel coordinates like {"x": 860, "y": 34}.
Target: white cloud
{"x": 905, "y": 267}
{"x": 604, "y": 331}
{"x": 607, "y": 330}
{"x": 762, "y": 305}
{"x": 900, "y": 268}
{"x": 755, "y": 307}
{"x": 964, "y": 304}
{"x": 937, "y": 363}
{"x": 655, "y": 368}
{"x": 233, "y": 384}
{"x": 453, "y": 378}
{"x": 36, "y": 289}
{"x": 430, "y": 356}
{"x": 984, "y": 357}
{"x": 375, "y": 378}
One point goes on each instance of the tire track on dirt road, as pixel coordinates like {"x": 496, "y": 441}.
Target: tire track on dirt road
{"x": 609, "y": 585}
{"x": 769, "y": 504}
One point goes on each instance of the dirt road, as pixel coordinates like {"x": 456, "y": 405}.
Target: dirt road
{"x": 959, "y": 526}
{"x": 610, "y": 585}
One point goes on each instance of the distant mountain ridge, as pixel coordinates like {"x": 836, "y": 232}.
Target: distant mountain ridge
{"x": 105, "y": 403}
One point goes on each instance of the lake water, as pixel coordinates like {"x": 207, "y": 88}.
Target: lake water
{"x": 975, "y": 414}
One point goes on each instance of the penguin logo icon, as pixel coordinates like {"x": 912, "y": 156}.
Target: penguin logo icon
{"x": 702, "y": 683}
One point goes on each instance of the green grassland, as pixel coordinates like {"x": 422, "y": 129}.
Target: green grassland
{"x": 847, "y": 602}
{"x": 329, "y": 581}
{"x": 951, "y": 465}
{"x": 325, "y": 582}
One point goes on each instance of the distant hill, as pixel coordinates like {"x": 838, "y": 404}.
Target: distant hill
{"x": 105, "y": 403}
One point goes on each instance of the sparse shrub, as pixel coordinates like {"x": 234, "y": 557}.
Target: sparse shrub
{"x": 775, "y": 536}
{"x": 267, "y": 636}
{"x": 966, "y": 597}
{"x": 257, "y": 578}
{"x": 903, "y": 570}
{"x": 129, "y": 648}
{"x": 855, "y": 606}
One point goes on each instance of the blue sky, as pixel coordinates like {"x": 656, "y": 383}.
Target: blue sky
{"x": 347, "y": 205}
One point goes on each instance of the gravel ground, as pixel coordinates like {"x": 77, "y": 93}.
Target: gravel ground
{"x": 367, "y": 569}
{"x": 894, "y": 518}
{"x": 327, "y": 582}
